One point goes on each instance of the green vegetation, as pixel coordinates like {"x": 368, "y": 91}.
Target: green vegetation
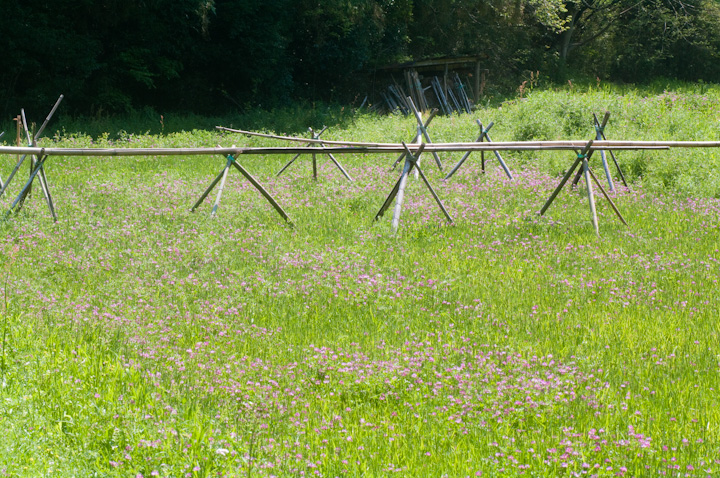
{"x": 139, "y": 339}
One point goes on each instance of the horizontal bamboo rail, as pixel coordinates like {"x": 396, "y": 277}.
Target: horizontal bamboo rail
{"x": 374, "y": 148}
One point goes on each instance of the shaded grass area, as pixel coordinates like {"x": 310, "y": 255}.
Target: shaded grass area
{"x": 145, "y": 339}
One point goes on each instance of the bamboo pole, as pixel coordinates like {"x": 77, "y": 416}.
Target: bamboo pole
{"x": 33, "y": 142}
{"x": 612, "y": 204}
{"x": 419, "y": 120}
{"x": 612, "y": 155}
{"x": 288, "y": 164}
{"x": 226, "y": 170}
{"x": 48, "y": 117}
{"x": 314, "y": 165}
{"x": 209, "y": 189}
{"x": 418, "y": 139}
{"x": 591, "y": 196}
{"x": 585, "y": 151}
{"x": 501, "y": 145}
{"x": 368, "y": 148}
{"x": 467, "y": 155}
{"x": 432, "y": 191}
{"x": 262, "y": 190}
{"x": 402, "y": 155}
{"x": 599, "y": 128}
{"x": 389, "y": 199}
{"x": 339, "y": 166}
{"x": 23, "y": 193}
{"x": 396, "y": 188}
{"x": 232, "y": 161}
{"x": 483, "y": 135}
{"x": 33, "y": 160}
{"x": 497, "y": 155}
{"x": 314, "y": 156}
{"x": 18, "y": 141}
{"x": 417, "y": 136}
{"x": 12, "y": 174}
{"x": 412, "y": 161}
{"x": 48, "y": 196}
{"x": 559, "y": 187}
{"x": 401, "y": 192}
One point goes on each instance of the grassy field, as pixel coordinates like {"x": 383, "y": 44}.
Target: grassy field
{"x": 140, "y": 339}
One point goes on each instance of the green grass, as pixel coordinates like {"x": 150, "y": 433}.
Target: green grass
{"x": 143, "y": 339}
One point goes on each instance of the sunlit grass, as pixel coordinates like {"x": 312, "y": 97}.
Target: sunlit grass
{"x": 144, "y": 339}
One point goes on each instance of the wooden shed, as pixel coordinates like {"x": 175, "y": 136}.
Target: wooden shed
{"x": 447, "y": 83}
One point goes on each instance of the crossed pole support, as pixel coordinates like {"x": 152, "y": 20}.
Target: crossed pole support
{"x": 583, "y": 158}
{"x": 316, "y": 136}
{"x": 422, "y": 130}
{"x": 36, "y": 168}
{"x": 600, "y": 135}
{"x": 418, "y": 136}
{"x": 483, "y": 136}
{"x": 220, "y": 178}
{"x": 412, "y": 161}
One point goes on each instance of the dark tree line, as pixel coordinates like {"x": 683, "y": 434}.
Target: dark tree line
{"x": 213, "y": 56}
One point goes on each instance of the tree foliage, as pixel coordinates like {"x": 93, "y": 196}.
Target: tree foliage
{"x": 218, "y": 55}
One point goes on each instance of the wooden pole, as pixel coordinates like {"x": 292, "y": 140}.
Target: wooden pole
{"x": 402, "y": 155}
{"x": 432, "y": 191}
{"x": 48, "y": 196}
{"x": 380, "y": 148}
{"x": 617, "y": 166}
{"x": 565, "y": 178}
{"x": 215, "y": 207}
{"x": 612, "y": 204}
{"x": 591, "y": 196}
{"x": 599, "y": 128}
{"x": 314, "y": 165}
{"x": 339, "y": 166}
{"x": 232, "y": 161}
{"x": 262, "y": 190}
{"x": 398, "y": 191}
{"x": 483, "y": 135}
{"x": 209, "y": 189}
{"x": 467, "y": 155}
{"x": 389, "y": 199}
{"x": 393, "y": 193}
{"x": 32, "y": 158}
{"x": 433, "y": 112}
{"x": 36, "y": 164}
{"x": 612, "y": 155}
{"x": 332, "y": 158}
{"x": 422, "y": 103}
{"x": 18, "y": 140}
{"x": 409, "y": 160}
{"x": 12, "y": 173}
{"x": 499, "y": 158}
{"x": 288, "y": 164}
{"x": 24, "y": 192}
{"x": 424, "y": 132}
{"x": 48, "y": 117}
{"x": 33, "y": 142}
{"x": 502, "y": 145}
{"x": 314, "y": 156}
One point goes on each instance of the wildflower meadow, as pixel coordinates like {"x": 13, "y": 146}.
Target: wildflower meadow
{"x": 140, "y": 339}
